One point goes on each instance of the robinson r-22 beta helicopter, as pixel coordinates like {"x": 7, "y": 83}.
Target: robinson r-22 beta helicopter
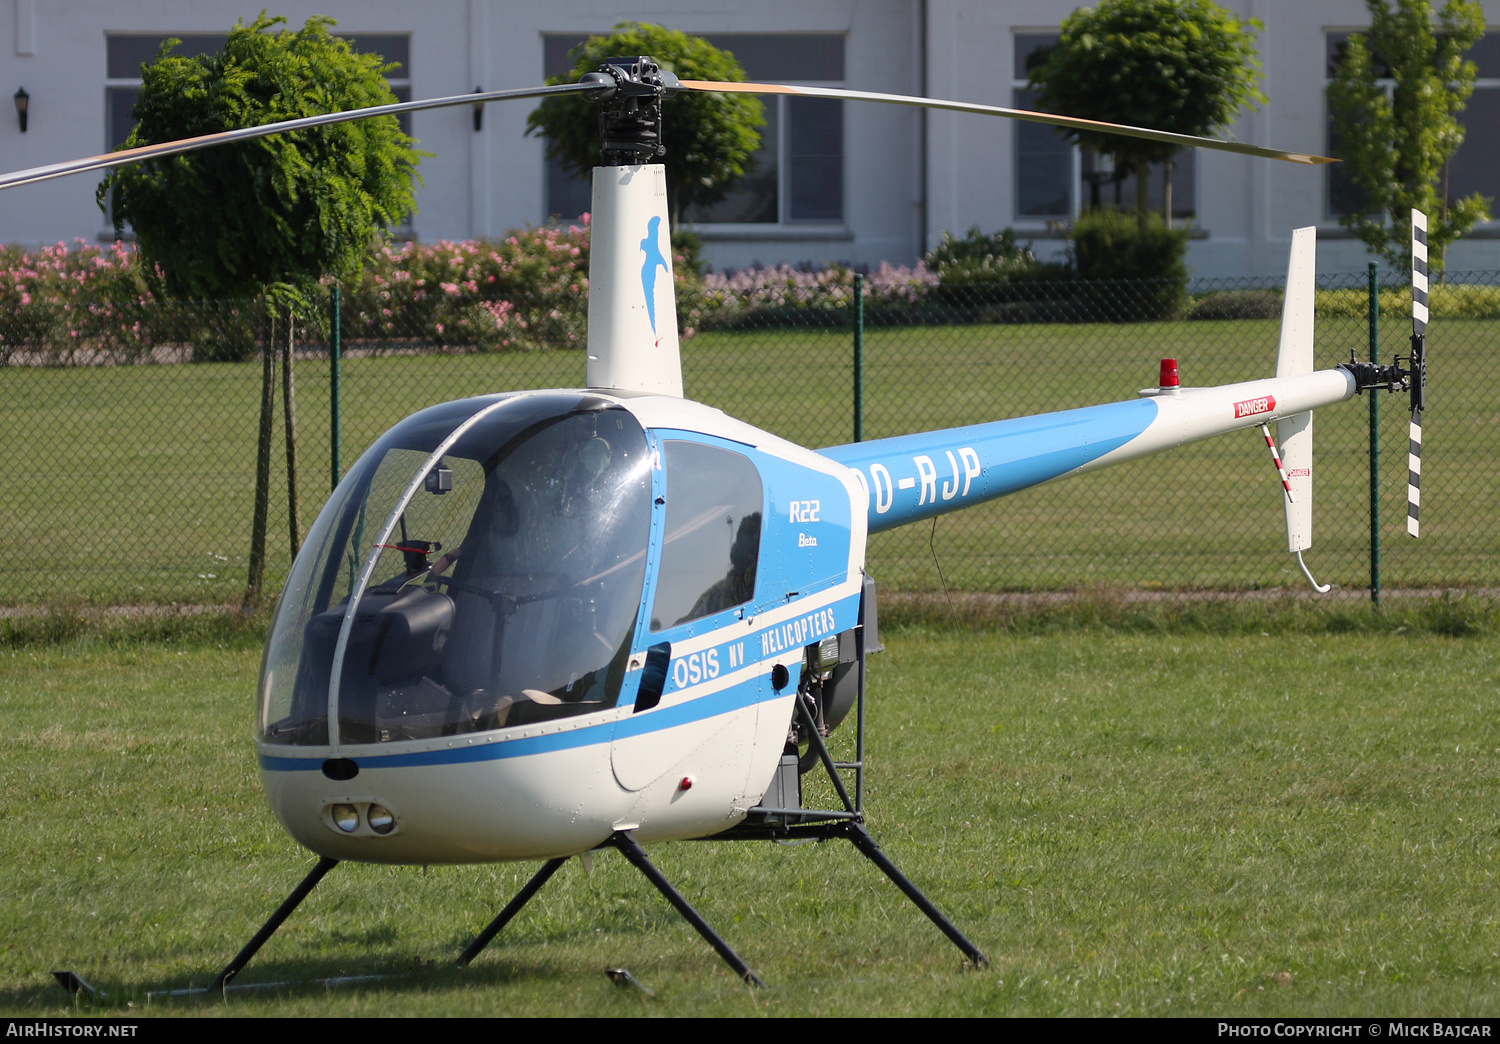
{"x": 531, "y": 625}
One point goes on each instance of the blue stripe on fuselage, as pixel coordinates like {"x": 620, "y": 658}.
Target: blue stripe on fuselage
{"x": 946, "y": 470}
{"x": 730, "y": 698}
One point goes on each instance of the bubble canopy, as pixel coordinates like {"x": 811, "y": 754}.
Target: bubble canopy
{"x": 479, "y": 568}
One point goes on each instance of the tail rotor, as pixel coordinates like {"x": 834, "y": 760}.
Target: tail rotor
{"x": 1410, "y": 378}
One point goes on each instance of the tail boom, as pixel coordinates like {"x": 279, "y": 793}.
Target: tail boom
{"x": 915, "y": 477}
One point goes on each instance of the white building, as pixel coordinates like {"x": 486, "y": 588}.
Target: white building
{"x": 838, "y": 181}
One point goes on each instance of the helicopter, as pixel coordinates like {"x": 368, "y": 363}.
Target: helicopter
{"x": 533, "y": 625}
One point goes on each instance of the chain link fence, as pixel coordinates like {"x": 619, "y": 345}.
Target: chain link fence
{"x": 131, "y": 430}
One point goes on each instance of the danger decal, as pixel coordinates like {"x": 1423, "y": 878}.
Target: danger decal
{"x": 1250, "y": 407}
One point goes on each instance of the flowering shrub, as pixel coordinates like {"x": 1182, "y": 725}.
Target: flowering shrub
{"x": 60, "y": 275}
{"x": 526, "y": 291}
{"x": 529, "y": 291}
{"x": 66, "y": 303}
{"x": 91, "y": 305}
{"x": 822, "y": 297}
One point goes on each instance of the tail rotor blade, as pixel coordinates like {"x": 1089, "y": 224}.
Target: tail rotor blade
{"x": 1414, "y": 475}
{"x": 1418, "y": 273}
{"x": 1418, "y": 368}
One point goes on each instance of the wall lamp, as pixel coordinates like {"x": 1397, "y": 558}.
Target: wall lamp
{"x": 478, "y": 112}
{"x": 23, "y": 102}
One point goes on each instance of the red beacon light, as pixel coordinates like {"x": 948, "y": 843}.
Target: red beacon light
{"x": 1168, "y": 377}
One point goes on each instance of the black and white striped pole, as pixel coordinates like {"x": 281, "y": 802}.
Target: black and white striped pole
{"x": 1417, "y": 368}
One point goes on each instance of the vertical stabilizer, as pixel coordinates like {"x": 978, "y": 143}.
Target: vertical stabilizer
{"x": 1295, "y": 434}
{"x": 632, "y": 339}
{"x": 1294, "y": 357}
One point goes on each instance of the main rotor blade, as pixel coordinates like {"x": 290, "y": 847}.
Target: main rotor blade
{"x": 204, "y": 141}
{"x": 1188, "y": 140}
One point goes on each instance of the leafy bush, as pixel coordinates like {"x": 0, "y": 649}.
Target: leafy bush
{"x": 710, "y": 137}
{"x": 990, "y": 278}
{"x": 1110, "y": 245}
{"x": 1237, "y": 304}
{"x": 1444, "y": 301}
{"x": 981, "y": 258}
{"x": 1111, "y": 275}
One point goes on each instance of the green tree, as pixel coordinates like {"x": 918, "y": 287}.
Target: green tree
{"x": 270, "y": 216}
{"x": 709, "y": 137}
{"x": 1187, "y": 66}
{"x": 1396, "y": 142}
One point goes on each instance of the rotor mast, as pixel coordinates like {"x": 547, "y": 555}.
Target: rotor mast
{"x": 632, "y": 332}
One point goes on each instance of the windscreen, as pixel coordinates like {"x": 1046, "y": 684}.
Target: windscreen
{"x": 495, "y": 583}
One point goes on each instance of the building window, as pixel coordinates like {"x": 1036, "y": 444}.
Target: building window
{"x": 1475, "y": 167}
{"x": 797, "y": 174}
{"x": 1054, "y": 180}
{"x": 124, "y": 56}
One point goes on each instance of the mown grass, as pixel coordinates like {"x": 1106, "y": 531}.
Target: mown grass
{"x": 134, "y": 484}
{"x": 1132, "y": 811}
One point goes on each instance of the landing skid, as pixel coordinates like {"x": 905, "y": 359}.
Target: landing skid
{"x": 789, "y": 824}
{"x": 269, "y": 928}
{"x": 631, "y": 850}
{"x": 763, "y": 823}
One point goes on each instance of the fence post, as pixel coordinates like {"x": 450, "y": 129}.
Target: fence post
{"x": 334, "y": 346}
{"x": 859, "y": 357}
{"x": 1374, "y": 328}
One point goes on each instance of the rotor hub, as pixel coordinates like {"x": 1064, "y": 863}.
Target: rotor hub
{"x": 629, "y": 94}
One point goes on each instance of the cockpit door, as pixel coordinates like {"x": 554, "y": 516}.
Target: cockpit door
{"x": 706, "y": 531}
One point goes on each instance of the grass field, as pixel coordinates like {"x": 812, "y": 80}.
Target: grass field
{"x": 1289, "y": 812}
{"x": 134, "y": 484}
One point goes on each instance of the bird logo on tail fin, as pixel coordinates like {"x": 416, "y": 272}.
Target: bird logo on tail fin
{"x": 654, "y": 259}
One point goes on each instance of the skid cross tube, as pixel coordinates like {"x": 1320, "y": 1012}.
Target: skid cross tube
{"x": 632, "y": 851}
{"x": 269, "y": 928}
{"x": 512, "y": 908}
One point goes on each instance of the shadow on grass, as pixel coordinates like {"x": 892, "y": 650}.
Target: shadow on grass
{"x": 277, "y": 979}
